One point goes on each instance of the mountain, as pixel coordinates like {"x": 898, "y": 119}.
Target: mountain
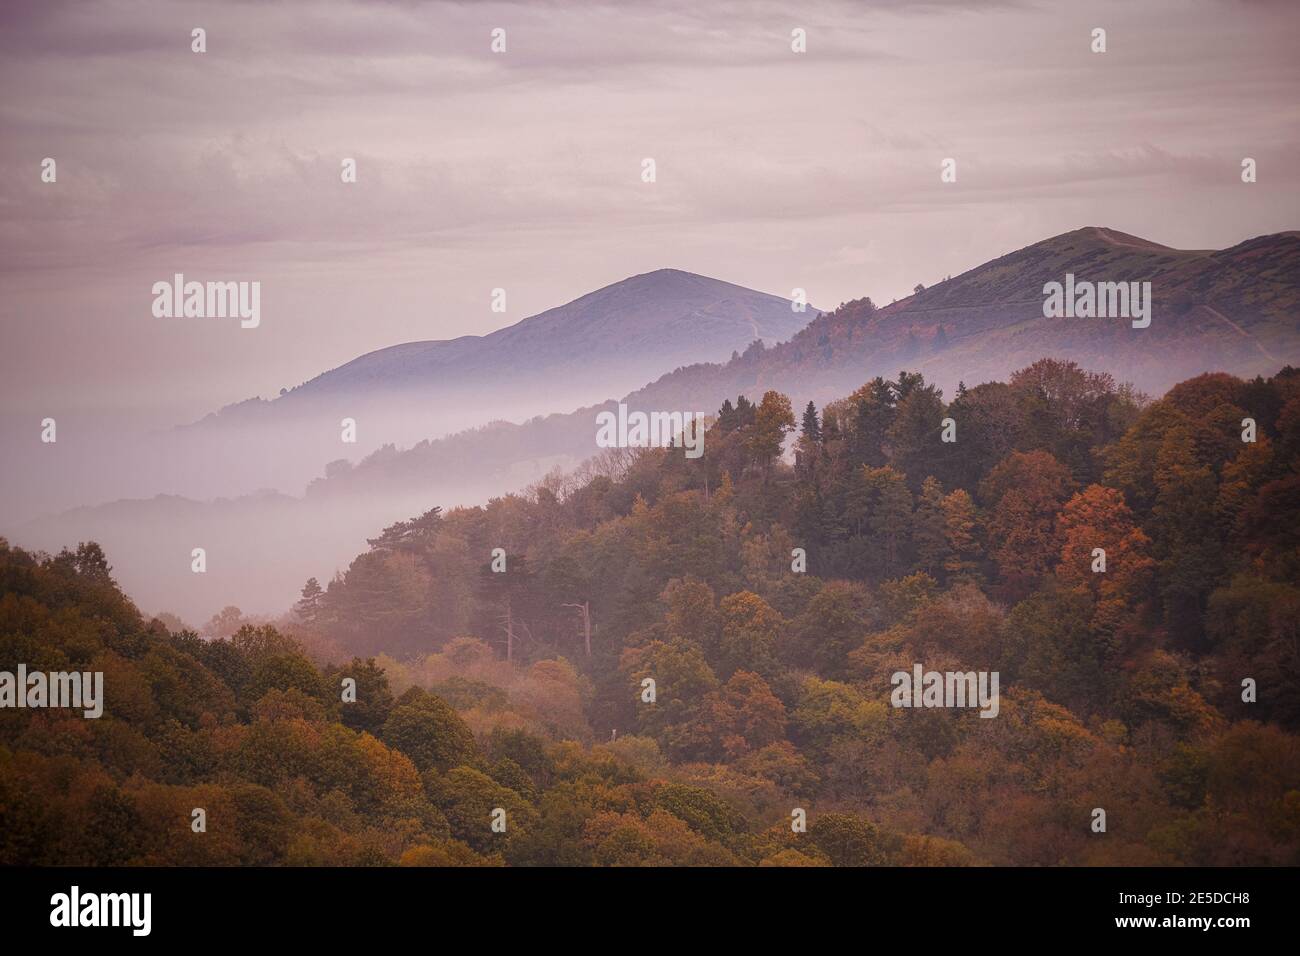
{"x": 604, "y": 343}
{"x": 1234, "y": 310}
{"x": 1231, "y": 310}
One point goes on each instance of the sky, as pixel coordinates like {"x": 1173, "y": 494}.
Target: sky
{"x": 522, "y": 170}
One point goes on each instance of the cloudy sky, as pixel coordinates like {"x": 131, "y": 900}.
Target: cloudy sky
{"x": 522, "y": 170}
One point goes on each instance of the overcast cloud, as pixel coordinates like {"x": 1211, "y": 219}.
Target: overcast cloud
{"x": 522, "y": 170}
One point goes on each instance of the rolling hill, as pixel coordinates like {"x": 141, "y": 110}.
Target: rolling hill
{"x": 1235, "y": 310}
{"x": 604, "y": 343}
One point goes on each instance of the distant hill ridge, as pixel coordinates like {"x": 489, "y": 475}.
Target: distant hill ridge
{"x": 605, "y": 342}
{"x": 1235, "y": 310}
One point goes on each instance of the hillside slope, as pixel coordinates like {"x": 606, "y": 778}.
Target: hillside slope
{"x": 603, "y": 343}
{"x": 1236, "y": 310}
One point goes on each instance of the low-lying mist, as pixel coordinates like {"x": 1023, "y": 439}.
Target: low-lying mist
{"x": 239, "y": 490}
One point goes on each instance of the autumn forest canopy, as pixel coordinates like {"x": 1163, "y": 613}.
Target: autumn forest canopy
{"x": 768, "y": 589}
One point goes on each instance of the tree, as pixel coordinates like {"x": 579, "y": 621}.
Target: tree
{"x": 1097, "y": 517}
{"x": 508, "y": 593}
{"x": 750, "y": 627}
{"x": 414, "y": 535}
{"x": 91, "y": 563}
{"x": 773, "y": 420}
{"x": 702, "y": 810}
{"x": 833, "y": 623}
{"x": 374, "y": 700}
{"x": 812, "y": 429}
{"x": 660, "y": 839}
{"x": 1049, "y": 644}
{"x": 682, "y": 679}
{"x": 309, "y": 606}
{"x": 525, "y": 749}
{"x": 871, "y": 414}
{"x": 745, "y": 412}
{"x": 1024, "y": 493}
{"x": 890, "y": 519}
{"x": 692, "y": 615}
{"x": 847, "y": 839}
{"x": 960, "y": 529}
{"x": 743, "y": 715}
{"x": 224, "y": 623}
{"x": 566, "y": 578}
{"x": 113, "y": 828}
{"x": 385, "y": 600}
{"x": 1253, "y": 625}
{"x": 468, "y": 798}
{"x": 1187, "y": 537}
{"x": 281, "y": 672}
{"x": 264, "y": 824}
{"x": 726, "y": 417}
{"x": 914, "y": 435}
{"x": 827, "y": 714}
{"x": 1067, "y": 410}
{"x": 584, "y": 616}
{"x": 991, "y": 423}
{"x": 930, "y": 530}
{"x": 428, "y": 731}
{"x": 812, "y": 524}
{"x": 808, "y": 451}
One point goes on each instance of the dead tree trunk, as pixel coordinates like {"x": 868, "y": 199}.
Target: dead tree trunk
{"x": 585, "y": 610}
{"x": 510, "y": 632}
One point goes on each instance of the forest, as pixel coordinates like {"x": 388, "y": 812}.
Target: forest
{"x": 767, "y": 590}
